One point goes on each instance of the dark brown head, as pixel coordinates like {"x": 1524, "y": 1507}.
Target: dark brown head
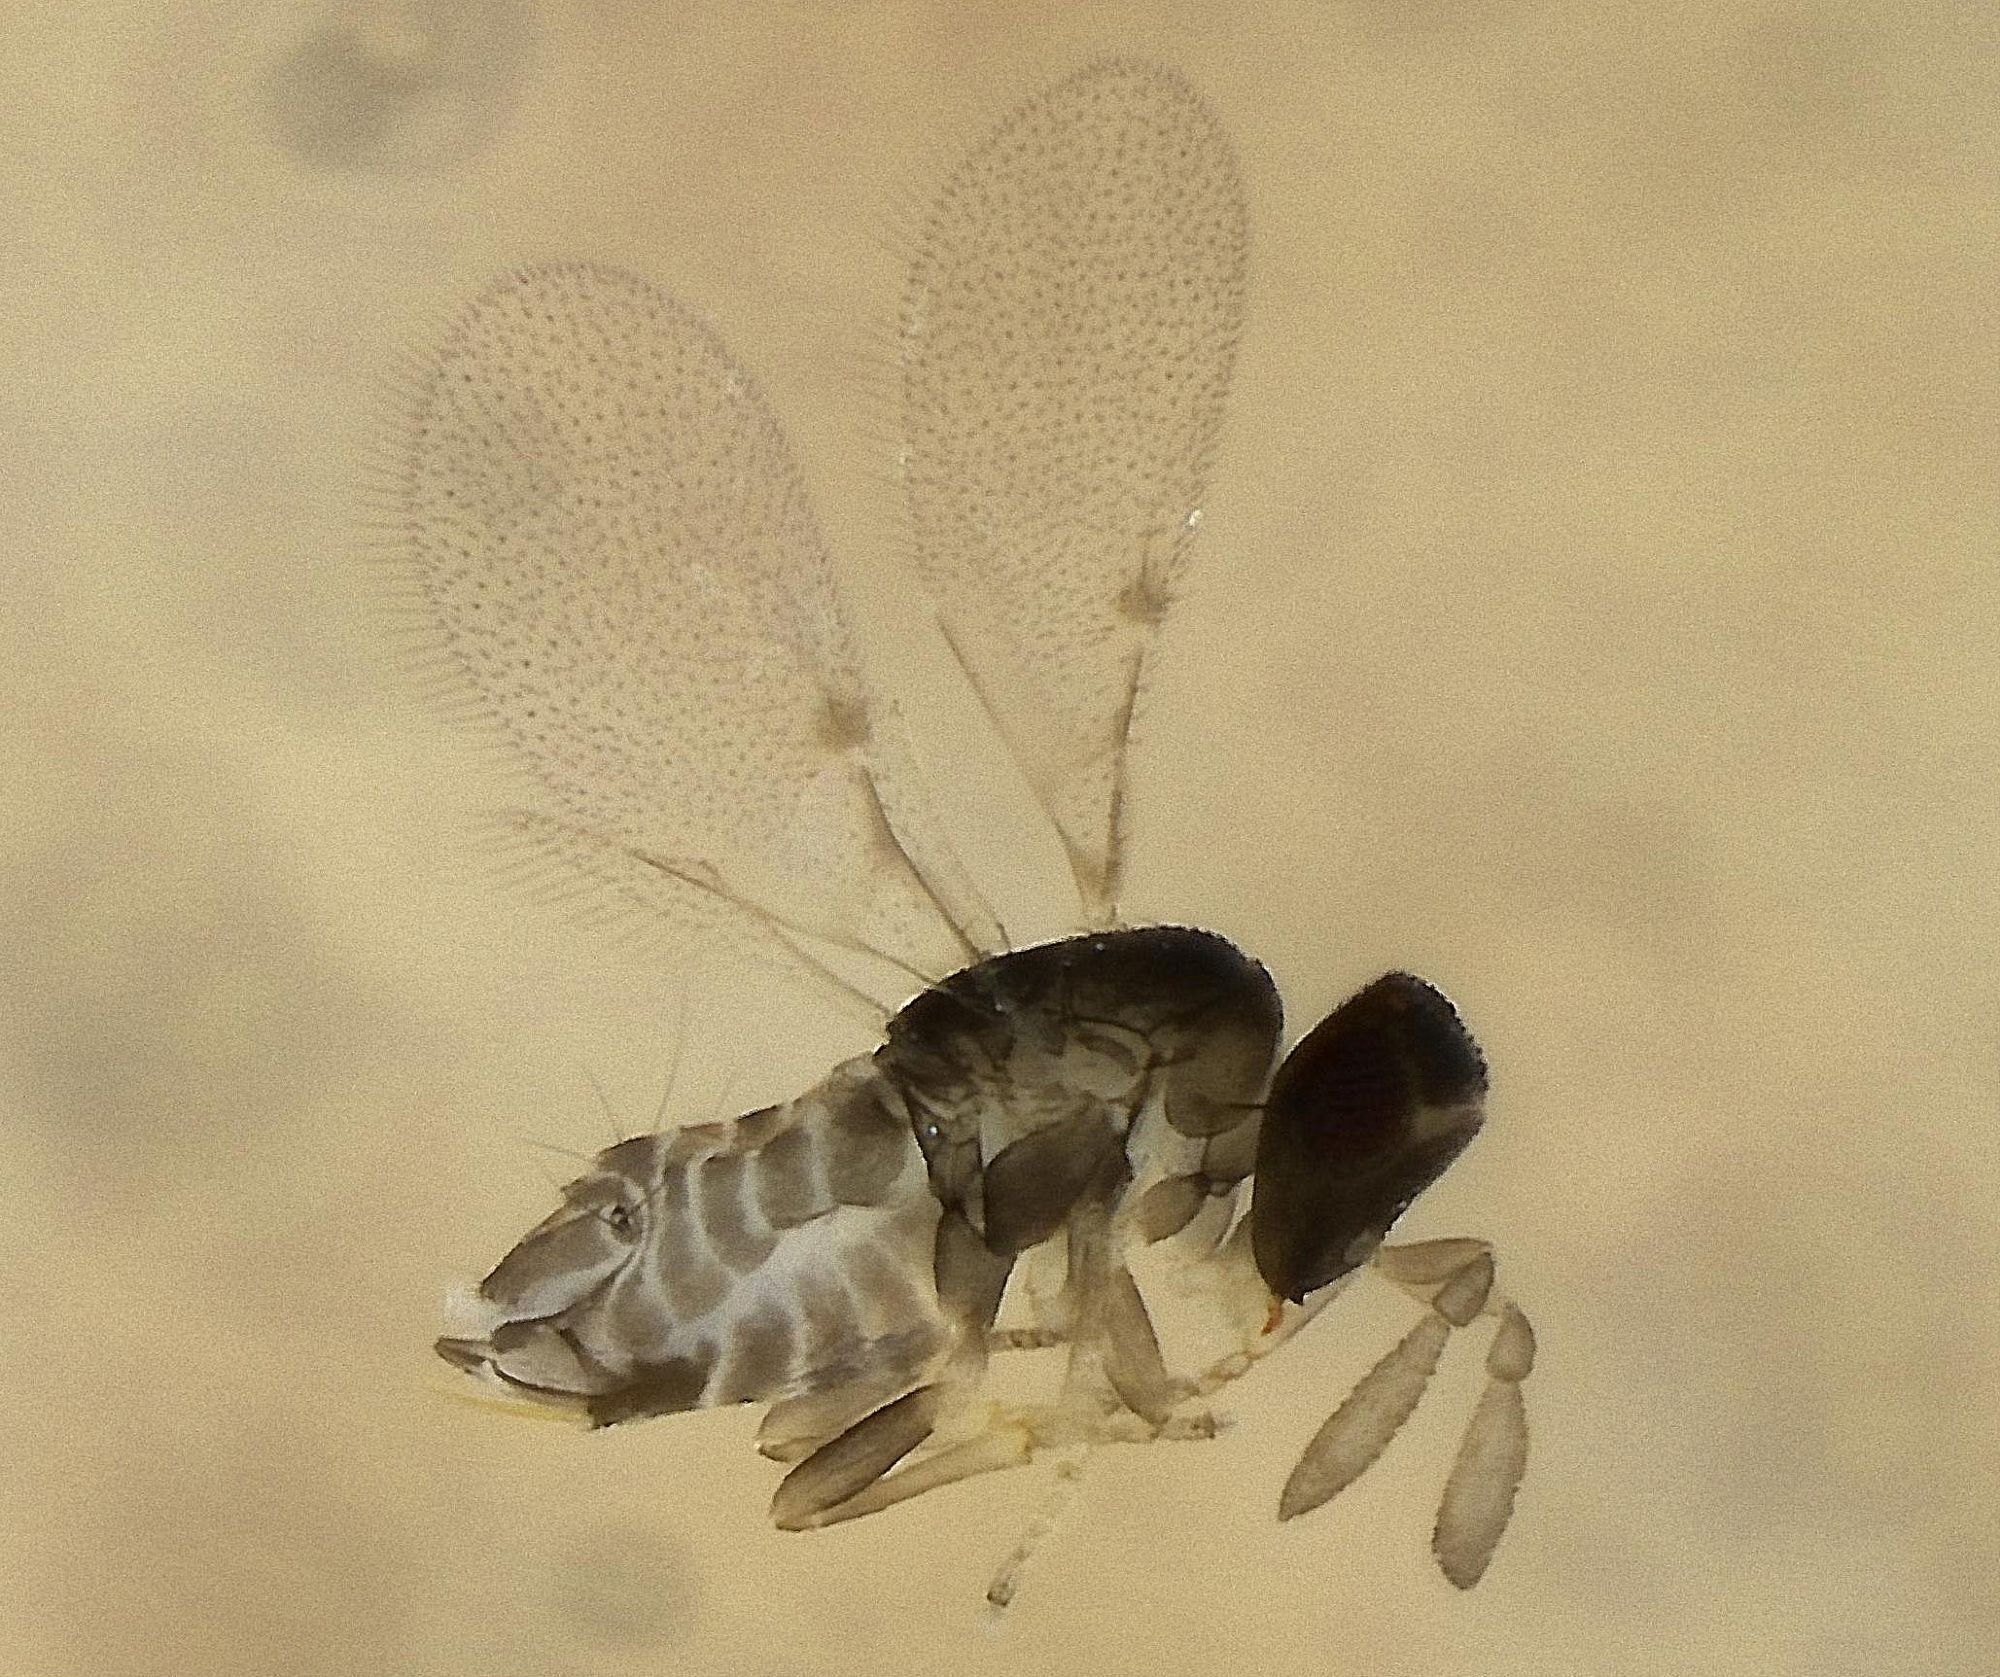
{"x": 1365, "y": 1114}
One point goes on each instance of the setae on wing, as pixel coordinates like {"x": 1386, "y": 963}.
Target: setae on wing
{"x": 619, "y": 559}
{"x": 1066, "y": 345}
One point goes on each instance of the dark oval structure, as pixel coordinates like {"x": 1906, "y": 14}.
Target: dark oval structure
{"x": 1367, "y": 1111}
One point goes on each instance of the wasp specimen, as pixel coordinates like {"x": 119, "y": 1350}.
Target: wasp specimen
{"x": 616, "y": 558}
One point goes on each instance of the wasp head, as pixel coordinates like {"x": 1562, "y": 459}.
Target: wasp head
{"x": 1365, "y": 1113}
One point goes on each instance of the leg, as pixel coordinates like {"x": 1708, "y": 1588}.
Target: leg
{"x": 848, "y": 1464}
{"x": 1229, "y": 1284}
{"x": 1008, "y": 1437}
{"x": 797, "y": 1426}
{"x": 1002, "y": 1444}
{"x": 1118, "y": 1390}
{"x": 970, "y": 1281}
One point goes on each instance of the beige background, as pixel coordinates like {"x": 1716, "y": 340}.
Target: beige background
{"x": 1596, "y": 612}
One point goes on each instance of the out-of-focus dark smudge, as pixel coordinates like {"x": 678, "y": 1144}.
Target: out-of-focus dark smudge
{"x": 421, "y": 85}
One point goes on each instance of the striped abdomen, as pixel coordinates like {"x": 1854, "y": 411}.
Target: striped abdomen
{"x": 788, "y": 1251}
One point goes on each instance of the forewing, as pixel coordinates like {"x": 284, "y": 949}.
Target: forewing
{"x": 1066, "y": 342}
{"x": 619, "y": 556}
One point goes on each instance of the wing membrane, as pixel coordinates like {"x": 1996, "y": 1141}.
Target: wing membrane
{"x": 619, "y": 555}
{"x": 1067, "y": 339}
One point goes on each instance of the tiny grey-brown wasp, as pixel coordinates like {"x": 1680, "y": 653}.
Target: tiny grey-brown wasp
{"x": 618, "y": 561}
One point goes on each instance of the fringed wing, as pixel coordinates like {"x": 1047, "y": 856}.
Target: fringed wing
{"x": 621, "y": 563}
{"x": 1066, "y": 343}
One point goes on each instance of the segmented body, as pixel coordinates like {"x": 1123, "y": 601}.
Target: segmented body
{"x": 798, "y": 1248}
{"x": 728, "y": 1263}
{"x": 614, "y": 547}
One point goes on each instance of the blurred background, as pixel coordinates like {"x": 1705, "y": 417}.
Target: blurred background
{"x": 1595, "y": 612}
